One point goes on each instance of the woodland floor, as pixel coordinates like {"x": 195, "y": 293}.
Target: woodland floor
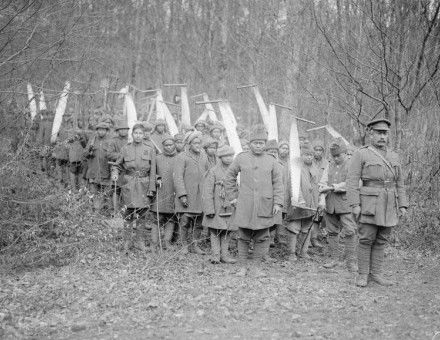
{"x": 113, "y": 296}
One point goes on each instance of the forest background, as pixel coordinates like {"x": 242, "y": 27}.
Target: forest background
{"x": 338, "y": 62}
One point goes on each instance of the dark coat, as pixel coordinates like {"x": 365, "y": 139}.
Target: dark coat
{"x": 96, "y": 152}
{"x": 214, "y": 200}
{"x": 138, "y": 162}
{"x": 164, "y": 169}
{"x": 261, "y": 186}
{"x": 379, "y": 204}
{"x": 189, "y": 173}
{"x": 77, "y": 140}
{"x": 44, "y": 132}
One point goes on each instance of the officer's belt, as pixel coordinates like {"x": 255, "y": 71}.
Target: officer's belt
{"x": 373, "y": 183}
{"x": 139, "y": 173}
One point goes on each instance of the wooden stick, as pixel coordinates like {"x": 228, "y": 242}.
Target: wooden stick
{"x": 209, "y": 101}
{"x": 245, "y": 86}
{"x": 317, "y": 128}
{"x": 177, "y": 85}
{"x": 168, "y": 103}
{"x": 290, "y": 109}
{"x": 198, "y": 95}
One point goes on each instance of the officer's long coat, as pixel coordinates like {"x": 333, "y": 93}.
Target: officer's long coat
{"x": 165, "y": 164}
{"x": 379, "y": 203}
{"x": 261, "y": 186}
{"x": 98, "y": 169}
{"x": 138, "y": 162}
{"x": 189, "y": 173}
{"x": 214, "y": 200}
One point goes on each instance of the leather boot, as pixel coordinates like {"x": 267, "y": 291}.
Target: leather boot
{"x": 377, "y": 260}
{"x": 364, "y": 253}
{"x": 243, "y": 250}
{"x": 291, "y": 244}
{"x": 195, "y": 248}
{"x": 215, "y": 246}
{"x": 302, "y": 245}
{"x": 272, "y": 239}
{"x": 314, "y": 237}
{"x": 349, "y": 245}
{"x": 169, "y": 230}
{"x": 224, "y": 244}
{"x": 261, "y": 249}
{"x": 335, "y": 252}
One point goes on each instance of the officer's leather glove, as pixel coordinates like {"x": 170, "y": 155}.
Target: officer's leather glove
{"x": 356, "y": 211}
{"x": 184, "y": 201}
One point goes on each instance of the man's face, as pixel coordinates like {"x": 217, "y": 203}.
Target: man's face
{"x": 245, "y": 147}
{"x": 379, "y": 138}
{"x": 307, "y": 158}
{"x": 273, "y": 152}
{"x": 138, "y": 135}
{"x": 318, "y": 152}
{"x": 211, "y": 150}
{"x": 147, "y": 135}
{"x": 101, "y": 132}
{"x": 216, "y": 133}
{"x": 180, "y": 145}
{"x": 283, "y": 151}
{"x": 257, "y": 146}
{"x": 339, "y": 159}
{"x": 195, "y": 145}
{"x": 123, "y": 132}
{"x": 160, "y": 128}
{"x": 200, "y": 127}
{"x": 227, "y": 160}
{"x": 169, "y": 146}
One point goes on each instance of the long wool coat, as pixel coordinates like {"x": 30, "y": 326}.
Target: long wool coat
{"x": 189, "y": 173}
{"x": 165, "y": 164}
{"x": 336, "y": 202}
{"x": 138, "y": 161}
{"x": 261, "y": 186}
{"x": 214, "y": 200}
{"x": 96, "y": 152}
{"x": 382, "y": 191}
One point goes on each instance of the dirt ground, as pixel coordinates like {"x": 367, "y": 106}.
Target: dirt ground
{"x": 112, "y": 296}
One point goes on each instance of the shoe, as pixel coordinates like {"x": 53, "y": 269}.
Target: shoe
{"x": 227, "y": 259}
{"x": 316, "y": 243}
{"x": 380, "y": 280}
{"x": 331, "y": 264}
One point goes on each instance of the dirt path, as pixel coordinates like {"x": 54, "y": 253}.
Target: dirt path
{"x": 112, "y": 296}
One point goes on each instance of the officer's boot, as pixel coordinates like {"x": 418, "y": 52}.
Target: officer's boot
{"x": 291, "y": 245}
{"x": 169, "y": 230}
{"x": 196, "y": 239}
{"x": 349, "y": 243}
{"x": 377, "y": 260}
{"x": 154, "y": 239}
{"x": 302, "y": 245}
{"x": 364, "y": 253}
{"x": 215, "y": 246}
{"x": 225, "y": 237}
{"x": 335, "y": 252}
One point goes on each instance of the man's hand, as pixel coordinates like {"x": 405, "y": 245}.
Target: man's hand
{"x": 114, "y": 176}
{"x": 356, "y": 211}
{"x": 184, "y": 201}
{"x": 403, "y": 211}
{"x": 210, "y": 215}
{"x": 159, "y": 183}
{"x": 233, "y": 202}
{"x": 276, "y": 209}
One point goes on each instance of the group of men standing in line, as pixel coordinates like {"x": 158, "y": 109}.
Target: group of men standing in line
{"x": 192, "y": 180}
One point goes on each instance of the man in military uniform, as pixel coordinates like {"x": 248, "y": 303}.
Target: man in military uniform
{"x": 340, "y": 223}
{"x": 259, "y": 198}
{"x": 321, "y": 164}
{"x": 377, "y": 202}
{"x": 160, "y": 130}
{"x": 179, "y": 140}
{"x": 190, "y": 170}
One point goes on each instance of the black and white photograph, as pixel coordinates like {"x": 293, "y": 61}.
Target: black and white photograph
{"x": 220, "y": 169}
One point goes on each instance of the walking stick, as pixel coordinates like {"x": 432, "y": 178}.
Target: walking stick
{"x": 316, "y": 219}
{"x": 157, "y": 218}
